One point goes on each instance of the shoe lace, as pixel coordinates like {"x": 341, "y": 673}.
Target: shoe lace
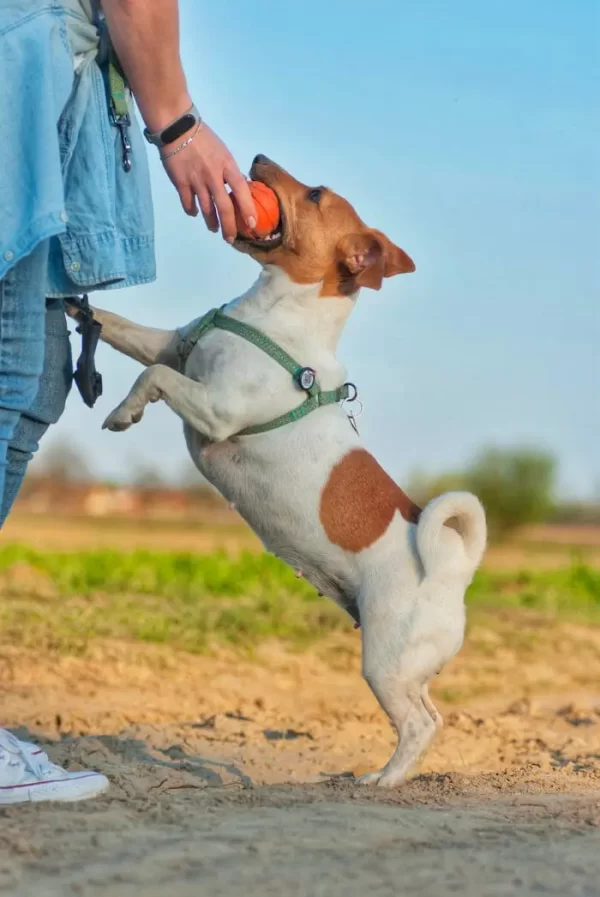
{"x": 18, "y": 752}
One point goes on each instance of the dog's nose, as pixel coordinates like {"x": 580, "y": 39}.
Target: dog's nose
{"x": 262, "y": 160}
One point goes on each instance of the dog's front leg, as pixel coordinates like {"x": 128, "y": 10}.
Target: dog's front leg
{"x": 148, "y": 345}
{"x": 187, "y": 398}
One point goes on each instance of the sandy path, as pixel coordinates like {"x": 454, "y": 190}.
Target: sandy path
{"x": 315, "y": 841}
{"x": 201, "y": 753}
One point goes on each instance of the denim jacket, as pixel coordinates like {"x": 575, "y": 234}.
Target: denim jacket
{"x": 61, "y": 175}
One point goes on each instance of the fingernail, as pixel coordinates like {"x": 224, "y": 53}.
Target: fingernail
{"x": 252, "y": 222}
{"x": 230, "y": 239}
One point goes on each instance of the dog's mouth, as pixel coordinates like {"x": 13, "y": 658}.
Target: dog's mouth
{"x": 264, "y": 244}
{"x": 273, "y": 240}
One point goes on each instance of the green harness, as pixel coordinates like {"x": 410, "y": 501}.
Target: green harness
{"x": 305, "y": 378}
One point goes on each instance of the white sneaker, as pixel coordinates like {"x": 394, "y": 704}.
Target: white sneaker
{"x": 26, "y": 774}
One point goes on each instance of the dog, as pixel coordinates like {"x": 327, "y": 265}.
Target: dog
{"x": 312, "y": 493}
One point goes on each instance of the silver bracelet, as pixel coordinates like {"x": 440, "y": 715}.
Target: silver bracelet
{"x": 182, "y": 146}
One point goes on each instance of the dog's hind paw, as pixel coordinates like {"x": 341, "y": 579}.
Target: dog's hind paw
{"x": 369, "y": 778}
{"x": 122, "y": 418}
{"x": 385, "y": 778}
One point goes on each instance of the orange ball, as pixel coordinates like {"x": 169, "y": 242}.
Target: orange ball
{"x": 267, "y": 211}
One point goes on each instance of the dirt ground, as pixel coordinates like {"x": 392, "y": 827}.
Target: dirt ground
{"x": 233, "y": 777}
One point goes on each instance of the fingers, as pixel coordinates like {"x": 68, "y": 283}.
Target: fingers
{"x": 226, "y": 212}
{"x": 241, "y": 191}
{"x": 207, "y": 207}
{"x": 200, "y": 173}
{"x": 188, "y": 199}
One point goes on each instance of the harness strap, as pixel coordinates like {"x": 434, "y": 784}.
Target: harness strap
{"x": 332, "y": 397}
{"x": 204, "y": 324}
{"x": 316, "y": 397}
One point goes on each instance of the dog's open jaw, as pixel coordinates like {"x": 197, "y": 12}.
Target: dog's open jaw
{"x": 320, "y": 238}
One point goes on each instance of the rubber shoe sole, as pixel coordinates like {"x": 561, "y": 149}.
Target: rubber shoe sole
{"x": 74, "y": 786}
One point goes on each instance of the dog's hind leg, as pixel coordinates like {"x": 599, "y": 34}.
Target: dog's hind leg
{"x": 414, "y": 725}
{"x": 398, "y": 672}
{"x": 148, "y": 345}
{"x": 430, "y": 707}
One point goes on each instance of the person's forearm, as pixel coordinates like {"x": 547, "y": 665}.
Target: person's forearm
{"x": 145, "y": 34}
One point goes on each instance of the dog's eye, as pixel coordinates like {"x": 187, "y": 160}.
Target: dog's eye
{"x": 315, "y": 195}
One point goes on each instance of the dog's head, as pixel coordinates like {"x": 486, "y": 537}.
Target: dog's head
{"x": 321, "y": 239}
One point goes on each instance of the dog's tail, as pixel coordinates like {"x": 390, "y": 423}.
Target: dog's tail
{"x": 463, "y": 513}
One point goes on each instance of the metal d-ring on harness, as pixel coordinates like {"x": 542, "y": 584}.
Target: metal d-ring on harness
{"x": 350, "y": 413}
{"x": 304, "y": 377}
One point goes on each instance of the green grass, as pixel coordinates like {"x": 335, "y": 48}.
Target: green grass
{"x": 568, "y": 593}
{"x": 63, "y": 601}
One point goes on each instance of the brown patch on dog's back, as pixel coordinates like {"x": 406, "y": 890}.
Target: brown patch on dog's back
{"x": 359, "y": 501}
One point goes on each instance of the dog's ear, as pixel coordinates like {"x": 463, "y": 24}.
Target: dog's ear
{"x": 396, "y": 260}
{"x": 370, "y": 256}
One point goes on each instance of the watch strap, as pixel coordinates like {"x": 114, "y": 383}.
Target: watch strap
{"x": 175, "y": 129}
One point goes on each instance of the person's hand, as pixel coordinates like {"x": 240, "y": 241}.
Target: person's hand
{"x": 200, "y": 172}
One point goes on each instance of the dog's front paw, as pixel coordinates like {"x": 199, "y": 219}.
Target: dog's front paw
{"x": 122, "y": 417}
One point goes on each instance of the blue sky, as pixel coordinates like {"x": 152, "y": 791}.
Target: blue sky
{"x": 468, "y": 132}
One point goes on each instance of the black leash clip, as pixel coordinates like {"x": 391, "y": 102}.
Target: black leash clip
{"x": 122, "y": 123}
{"x": 87, "y": 378}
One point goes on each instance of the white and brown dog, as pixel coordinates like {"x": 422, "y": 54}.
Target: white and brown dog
{"x": 316, "y": 498}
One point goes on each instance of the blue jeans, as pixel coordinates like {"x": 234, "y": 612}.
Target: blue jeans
{"x": 71, "y": 219}
{"x": 35, "y": 368}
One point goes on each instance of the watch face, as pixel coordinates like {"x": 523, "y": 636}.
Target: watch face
{"x": 178, "y": 128}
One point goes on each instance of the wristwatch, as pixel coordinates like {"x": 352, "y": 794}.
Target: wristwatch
{"x": 175, "y": 129}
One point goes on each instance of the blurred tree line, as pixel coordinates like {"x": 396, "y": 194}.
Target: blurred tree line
{"x": 517, "y": 486}
{"x": 64, "y": 462}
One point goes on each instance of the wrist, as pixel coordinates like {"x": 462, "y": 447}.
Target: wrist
{"x": 175, "y": 129}
{"x": 162, "y": 114}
